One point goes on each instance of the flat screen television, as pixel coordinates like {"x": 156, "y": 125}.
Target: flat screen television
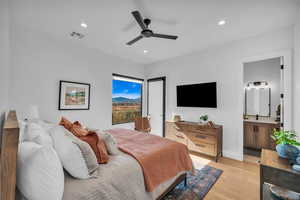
{"x": 197, "y": 95}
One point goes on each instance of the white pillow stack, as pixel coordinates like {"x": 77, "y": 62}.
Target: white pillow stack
{"x": 39, "y": 171}
{"x": 40, "y": 174}
{"x": 46, "y": 149}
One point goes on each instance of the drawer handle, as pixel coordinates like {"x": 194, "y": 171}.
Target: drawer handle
{"x": 200, "y": 145}
{"x": 201, "y": 136}
{"x": 179, "y": 136}
{"x": 176, "y": 128}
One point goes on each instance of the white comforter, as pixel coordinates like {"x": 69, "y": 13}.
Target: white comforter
{"x": 120, "y": 179}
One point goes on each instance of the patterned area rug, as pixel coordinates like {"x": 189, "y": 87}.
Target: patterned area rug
{"x": 198, "y": 185}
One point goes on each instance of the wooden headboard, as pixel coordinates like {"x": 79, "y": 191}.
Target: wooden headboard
{"x": 8, "y": 156}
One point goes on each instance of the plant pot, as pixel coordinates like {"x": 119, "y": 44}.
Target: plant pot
{"x": 287, "y": 151}
{"x": 298, "y": 160}
{"x": 292, "y": 153}
{"x": 280, "y": 148}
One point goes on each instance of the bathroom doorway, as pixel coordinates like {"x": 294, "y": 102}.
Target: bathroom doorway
{"x": 263, "y": 105}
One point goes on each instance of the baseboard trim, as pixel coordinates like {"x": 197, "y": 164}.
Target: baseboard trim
{"x": 233, "y": 155}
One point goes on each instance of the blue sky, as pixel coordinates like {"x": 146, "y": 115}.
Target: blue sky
{"x": 126, "y": 89}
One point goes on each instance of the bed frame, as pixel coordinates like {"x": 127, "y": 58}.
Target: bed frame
{"x": 180, "y": 179}
{"x": 9, "y": 140}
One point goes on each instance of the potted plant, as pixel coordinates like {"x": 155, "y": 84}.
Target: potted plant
{"x": 286, "y": 144}
{"x": 204, "y": 118}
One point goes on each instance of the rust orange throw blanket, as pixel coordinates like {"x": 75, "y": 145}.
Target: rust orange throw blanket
{"x": 160, "y": 159}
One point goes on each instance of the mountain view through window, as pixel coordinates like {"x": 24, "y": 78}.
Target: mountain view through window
{"x": 126, "y": 99}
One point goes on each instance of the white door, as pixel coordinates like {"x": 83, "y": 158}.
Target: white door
{"x": 155, "y": 106}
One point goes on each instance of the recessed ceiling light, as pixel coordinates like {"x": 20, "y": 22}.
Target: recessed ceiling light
{"x": 221, "y": 22}
{"x": 145, "y": 51}
{"x": 83, "y": 25}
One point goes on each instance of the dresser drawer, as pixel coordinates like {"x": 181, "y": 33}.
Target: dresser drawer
{"x": 199, "y": 137}
{"x": 202, "y": 147}
{"x": 173, "y": 133}
{"x": 181, "y": 139}
{"x": 171, "y": 129}
{"x": 201, "y": 130}
{"x": 178, "y": 138}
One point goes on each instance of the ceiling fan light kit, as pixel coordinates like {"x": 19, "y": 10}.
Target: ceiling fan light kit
{"x": 146, "y": 32}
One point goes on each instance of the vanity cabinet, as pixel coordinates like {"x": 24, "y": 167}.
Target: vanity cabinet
{"x": 257, "y": 135}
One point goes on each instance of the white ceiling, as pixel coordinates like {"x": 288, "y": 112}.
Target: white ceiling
{"x": 111, "y": 25}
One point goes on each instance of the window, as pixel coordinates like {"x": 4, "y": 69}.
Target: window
{"x": 126, "y": 98}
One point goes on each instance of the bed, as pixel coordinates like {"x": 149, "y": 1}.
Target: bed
{"x": 122, "y": 178}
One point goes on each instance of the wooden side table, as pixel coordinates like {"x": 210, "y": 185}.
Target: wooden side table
{"x": 277, "y": 171}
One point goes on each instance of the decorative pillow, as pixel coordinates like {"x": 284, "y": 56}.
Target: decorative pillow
{"x": 69, "y": 153}
{"x": 78, "y": 130}
{"x": 39, "y": 173}
{"x": 66, "y": 123}
{"x": 98, "y": 146}
{"x": 87, "y": 152}
{"x": 38, "y": 134}
{"x": 111, "y": 144}
{"x": 46, "y": 125}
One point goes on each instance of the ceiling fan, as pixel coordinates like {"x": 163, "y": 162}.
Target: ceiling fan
{"x": 146, "y": 32}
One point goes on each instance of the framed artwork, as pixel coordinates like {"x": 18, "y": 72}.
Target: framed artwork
{"x": 74, "y": 96}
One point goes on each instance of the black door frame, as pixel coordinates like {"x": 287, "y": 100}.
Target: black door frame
{"x": 163, "y": 78}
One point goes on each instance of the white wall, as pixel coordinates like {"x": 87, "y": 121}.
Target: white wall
{"x": 4, "y": 54}
{"x": 296, "y": 73}
{"x": 265, "y": 70}
{"x": 224, "y": 65}
{"x": 39, "y": 62}
{"x": 4, "y": 58}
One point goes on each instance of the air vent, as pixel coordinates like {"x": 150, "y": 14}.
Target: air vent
{"x": 77, "y": 35}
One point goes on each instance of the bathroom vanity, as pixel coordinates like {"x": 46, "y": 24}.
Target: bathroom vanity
{"x": 257, "y": 133}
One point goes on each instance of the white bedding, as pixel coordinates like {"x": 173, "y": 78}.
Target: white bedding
{"x": 120, "y": 179}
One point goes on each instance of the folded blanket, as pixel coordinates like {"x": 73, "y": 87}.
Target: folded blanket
{"x": 160, "y": 158}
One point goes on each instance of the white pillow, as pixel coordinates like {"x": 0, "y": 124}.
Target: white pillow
{"x": 69, "y": 153}
{"x": 110, "y": 142}
{"x": 36, "y": 133}
{"x": 23, "y": 130}
{"x": 39, "y": 173}
{"x": 46, "y": 125}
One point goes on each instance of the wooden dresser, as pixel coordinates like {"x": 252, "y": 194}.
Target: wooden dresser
{"x": 198, "y": 138}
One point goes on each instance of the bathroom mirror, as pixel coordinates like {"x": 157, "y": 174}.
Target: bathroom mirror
{"x": 258, "y": 101}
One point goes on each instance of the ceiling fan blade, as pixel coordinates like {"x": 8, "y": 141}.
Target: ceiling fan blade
{"x": 134, "y": 40}
{"x": 139, "y": 19}
{"x": 172, "y": 37}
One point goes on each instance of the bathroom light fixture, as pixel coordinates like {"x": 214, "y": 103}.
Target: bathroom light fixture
{"x": 221, "y": 22}
{"x": 145, "y": 51}
{"x": 257, "y": 85}
{"x": 83, "y": 25}
{"x": 77, "y": 35}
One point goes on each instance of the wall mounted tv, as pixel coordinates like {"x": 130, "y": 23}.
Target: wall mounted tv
{"x": 197, "y": 95}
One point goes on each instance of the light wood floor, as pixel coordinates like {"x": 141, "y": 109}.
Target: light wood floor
{"x": 239, "y": 181}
